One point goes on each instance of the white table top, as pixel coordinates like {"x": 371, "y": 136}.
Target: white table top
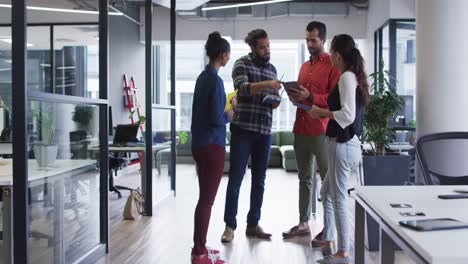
{"x": 35, "y": 173}
{"x": 435, "y": 246}
{"x": 142, "y": 148}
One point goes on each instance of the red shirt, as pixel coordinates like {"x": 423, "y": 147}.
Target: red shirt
{"x": 319, "y": 77}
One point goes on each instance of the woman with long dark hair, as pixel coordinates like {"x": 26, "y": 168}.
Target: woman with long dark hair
{"x": 208, "y": 142}
{"x": 346, "y": 111}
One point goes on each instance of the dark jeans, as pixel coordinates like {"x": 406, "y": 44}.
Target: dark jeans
{"x": 243, "y": 144}
{"x": 210, "y": 164}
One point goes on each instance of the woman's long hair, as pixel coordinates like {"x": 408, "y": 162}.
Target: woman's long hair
{"x": 346, "y": 47}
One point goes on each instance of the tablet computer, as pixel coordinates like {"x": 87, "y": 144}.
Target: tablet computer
{"x": 302, "y": 106}
{"x": 291, "y": 85}
{"x": 434, "y": 224}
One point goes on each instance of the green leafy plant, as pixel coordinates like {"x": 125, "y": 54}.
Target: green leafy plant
{"x": 45, "y": 119}
{"x": 141, "y": 118}
{"x": 83, "y": 114}
{"x": 383, "y": 106}
{"x": 183, "y": 137}
{"x": 412, "y": 123}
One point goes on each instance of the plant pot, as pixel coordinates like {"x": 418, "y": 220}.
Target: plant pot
{"x": 383, "y": 170}
{"x": 45, "y": 154}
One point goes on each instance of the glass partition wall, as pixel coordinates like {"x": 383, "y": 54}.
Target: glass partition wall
{"x": 6, "y": 135}
{"x": 54, "y": 173}
{"x": 50, "y": 62}
{"x": 65, "y": 149}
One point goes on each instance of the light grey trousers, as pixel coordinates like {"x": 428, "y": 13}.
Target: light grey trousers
{"x": 343, "y": 159}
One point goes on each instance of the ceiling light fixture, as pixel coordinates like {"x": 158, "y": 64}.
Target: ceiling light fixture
{"x": 64, "y": 10}
{"x": 242, "y": 5}
{"x": 9, "y": 41}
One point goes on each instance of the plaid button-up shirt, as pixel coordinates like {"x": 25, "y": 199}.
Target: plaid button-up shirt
{"x": 251, "y": 114}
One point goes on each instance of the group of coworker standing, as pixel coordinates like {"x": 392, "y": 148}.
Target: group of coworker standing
{"x": 334, "y": 86}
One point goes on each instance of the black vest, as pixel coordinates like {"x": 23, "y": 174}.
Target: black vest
{"x": 334, "y": 129}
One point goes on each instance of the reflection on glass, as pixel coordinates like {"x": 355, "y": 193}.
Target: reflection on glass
{"x": 77, "y": 60}
{"x": 162, "y": 154}
{"x": 6, "y": 137}
{"x": 63, "y": 181}
{"x": 5, "y": 72}
{"x": 386, "y": 47}
{"x": 38, "y": 61}
{"x": 74, "y": 69}
{"x": 406, "y": 58}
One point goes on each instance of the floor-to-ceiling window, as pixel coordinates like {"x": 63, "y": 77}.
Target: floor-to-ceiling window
{"x": 286, "y": 56}
{"x": 396, "y": 48}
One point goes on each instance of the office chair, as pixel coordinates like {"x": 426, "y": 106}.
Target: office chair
{"x": 453, "y": 168}
{"x": 116, "y": 162}
{"x": 78, "y": 147}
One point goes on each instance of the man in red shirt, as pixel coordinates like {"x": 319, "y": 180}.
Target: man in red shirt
{"x": 317, "y": 78}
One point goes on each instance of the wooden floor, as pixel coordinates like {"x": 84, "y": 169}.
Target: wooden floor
{"x": 167, "y": 236}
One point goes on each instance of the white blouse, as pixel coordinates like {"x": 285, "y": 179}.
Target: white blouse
{"x": 347, "y": 87}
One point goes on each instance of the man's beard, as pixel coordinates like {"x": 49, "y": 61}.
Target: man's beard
{"x": 262, "y": 60}
{"x": 315, "y": 52}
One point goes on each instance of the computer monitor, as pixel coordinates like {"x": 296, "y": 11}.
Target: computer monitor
{"x": 126, "y": 133}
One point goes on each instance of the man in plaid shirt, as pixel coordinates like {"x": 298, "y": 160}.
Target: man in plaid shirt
{"x": 254, "y": 78}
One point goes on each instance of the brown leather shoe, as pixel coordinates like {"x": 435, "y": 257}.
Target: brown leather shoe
{"x": 257, "y": 232}
{"x": 296, "y": 232}
{"x": 228, "y": 235}
{"x": 318, "y": 240}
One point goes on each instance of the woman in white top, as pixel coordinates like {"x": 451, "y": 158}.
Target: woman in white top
{"x": 346, "y": 111}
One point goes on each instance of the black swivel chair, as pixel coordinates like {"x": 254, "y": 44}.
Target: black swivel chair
{"x": 116, "y": 162}
{"x": 453, "y": 146}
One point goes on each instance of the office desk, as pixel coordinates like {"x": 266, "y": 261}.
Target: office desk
{"x": 438, "y": 247}
{"x": 55, "y": 174}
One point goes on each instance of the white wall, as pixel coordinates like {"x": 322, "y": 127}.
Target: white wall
{"x": 126, "y": 55}
{"x": 284, "y": 28}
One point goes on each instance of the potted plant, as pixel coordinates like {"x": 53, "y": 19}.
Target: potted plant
{"x": 45, "y": 151}
{"x": 83, "y": 115}
{"x": 381, "y": 165}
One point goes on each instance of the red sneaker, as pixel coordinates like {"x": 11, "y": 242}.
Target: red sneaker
{"x": 212, "y": 251}
{"x": 204, "y": 259}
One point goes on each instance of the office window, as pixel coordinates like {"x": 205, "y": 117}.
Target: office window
{"x": 287, "y": 56}
{"x": 399, "y": 55}
{"x": 185, "y": 118}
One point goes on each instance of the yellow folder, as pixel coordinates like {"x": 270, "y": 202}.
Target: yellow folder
{"x": 229, "y": 96}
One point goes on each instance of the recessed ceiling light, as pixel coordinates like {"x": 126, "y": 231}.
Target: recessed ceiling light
{"x": 64, "y": 10}
{"x": 242, "y": 5}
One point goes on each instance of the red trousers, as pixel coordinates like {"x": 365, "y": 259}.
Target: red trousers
{"x": 210, "y": 163}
